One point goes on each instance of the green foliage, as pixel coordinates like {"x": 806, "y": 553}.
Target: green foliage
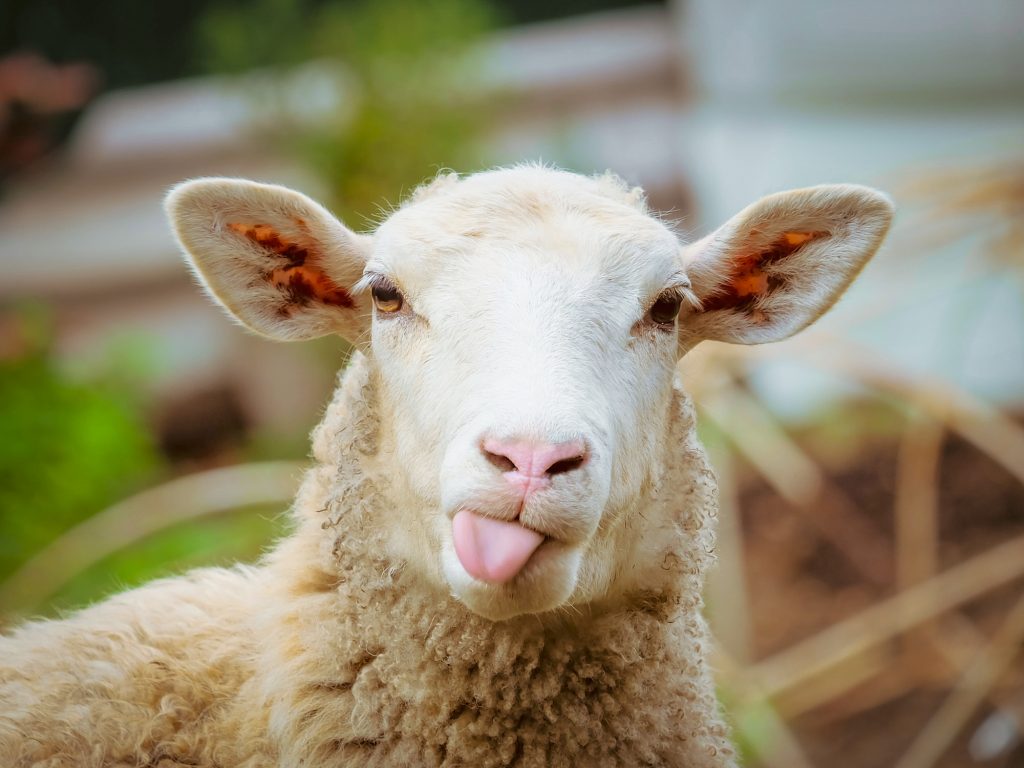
{"x": 70, "y": 448}
{"x": 76, "y": 444}
{"x": 239, "y": 536}
{"x": 754, "y": 725}
{"x": 408, "y": 107}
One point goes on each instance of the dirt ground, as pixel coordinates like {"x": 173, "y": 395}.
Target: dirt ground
{"x": 799, "y": 584}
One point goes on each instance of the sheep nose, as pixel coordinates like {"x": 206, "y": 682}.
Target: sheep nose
{"x": 535, "y": 459}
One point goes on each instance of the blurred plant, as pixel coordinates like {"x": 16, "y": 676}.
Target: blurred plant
{"x": 967, "y": 200}
{"x": 406, "y": 105}
{"x": 224, "y": 539}
{"x": 70, "y": 447}
{"x": 77, "y": 444}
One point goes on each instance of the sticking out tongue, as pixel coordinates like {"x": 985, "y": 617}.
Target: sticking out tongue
{"x": 492, "y": 550}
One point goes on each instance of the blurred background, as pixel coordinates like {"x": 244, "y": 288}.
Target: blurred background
{"x": 869, "y": 602}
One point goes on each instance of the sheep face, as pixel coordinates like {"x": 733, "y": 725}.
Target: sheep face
{"x": 525, "y": 373}
{"x": 524, "y": 326}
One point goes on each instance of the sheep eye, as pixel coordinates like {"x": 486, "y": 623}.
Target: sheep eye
{"x": 387, "y": 298}
{"x": 666, "y": 308}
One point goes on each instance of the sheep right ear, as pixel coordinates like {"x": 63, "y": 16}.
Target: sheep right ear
{"x": 776, "y": 266}
{"x": 280, "y": 263}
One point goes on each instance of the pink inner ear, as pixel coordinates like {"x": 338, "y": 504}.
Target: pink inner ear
{"x": 748, "y": 278}
{"x": 301, "y": 280}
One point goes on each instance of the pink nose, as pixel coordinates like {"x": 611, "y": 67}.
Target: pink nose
{"x": 535, "y": 459}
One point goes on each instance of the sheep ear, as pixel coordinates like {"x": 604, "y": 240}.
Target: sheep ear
{"x": 778, "y": 265}
{"x": 277, "y": 261}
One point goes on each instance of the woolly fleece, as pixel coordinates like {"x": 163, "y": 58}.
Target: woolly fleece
{"x": 329, "y": 654}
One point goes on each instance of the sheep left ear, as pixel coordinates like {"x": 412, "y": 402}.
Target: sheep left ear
{"x": 779, "y": 264}
{"x": 277, "y": 261}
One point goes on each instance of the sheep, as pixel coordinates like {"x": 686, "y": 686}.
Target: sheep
{"x": 498, "y": 553}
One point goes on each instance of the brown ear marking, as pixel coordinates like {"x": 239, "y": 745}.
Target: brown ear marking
{"x": 749, "y": 280}
{"x": 300, "y": 279}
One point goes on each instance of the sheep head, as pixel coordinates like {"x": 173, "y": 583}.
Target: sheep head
{"x": 524, "y": 326}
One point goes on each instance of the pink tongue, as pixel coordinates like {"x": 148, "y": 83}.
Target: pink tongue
{"x": 492, "y": 550}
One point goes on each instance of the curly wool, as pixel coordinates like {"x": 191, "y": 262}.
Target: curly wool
{"x": 332, "y": 654}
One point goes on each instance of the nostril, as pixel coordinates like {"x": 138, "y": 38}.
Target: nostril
{"x": 534, "y": 459}
{"x": 503, "y": 463}
{"x": 566, "y": 465}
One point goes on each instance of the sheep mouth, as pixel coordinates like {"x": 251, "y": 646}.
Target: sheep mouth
{"x": 493, "y": 551}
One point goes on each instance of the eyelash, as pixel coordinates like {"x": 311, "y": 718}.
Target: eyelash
{"x": 672, "y": 301}
{"x": 386, "y": 296}
{"x": 371, "y": 280}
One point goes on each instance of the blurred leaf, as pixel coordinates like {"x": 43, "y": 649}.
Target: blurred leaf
{"x": 70, "y": 448}
{"x": 411, "y": 103}
{"x": 236, "y": 38}
{"x": 752, "y": 724}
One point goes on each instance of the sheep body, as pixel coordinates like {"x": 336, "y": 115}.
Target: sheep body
{"x": 329, "y": 655}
